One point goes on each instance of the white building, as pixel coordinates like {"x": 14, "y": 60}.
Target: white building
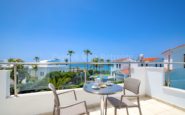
{"x": 43, "y": 69}
{"x": 175, "y": 76}
{"x": 151, "y": 62}
{"x": 120, "y": 68}
{"x": 5, "y": 66}
{"x": 176, "y": 54}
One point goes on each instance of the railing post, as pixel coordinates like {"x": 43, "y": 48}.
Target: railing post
{"x": 85, "y": 75}
{"x": 168, "y": 82}
{"x": 15, "y": 80}
{"x": 169, "y": 61}
{"x": 129, "y": 69}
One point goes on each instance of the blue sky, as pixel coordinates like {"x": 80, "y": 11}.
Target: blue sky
{"x": 109, "y": 28}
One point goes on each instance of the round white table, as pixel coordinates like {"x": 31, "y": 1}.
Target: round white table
{"x": 114, "y": 88}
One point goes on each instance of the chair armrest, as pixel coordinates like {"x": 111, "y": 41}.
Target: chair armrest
{"x": 74, "y": 105}
{"x": 130, "y": 96}
{"x": 82, "y": 102}
{"x": 69, "y": 92}
{"x": 136, "y": 96}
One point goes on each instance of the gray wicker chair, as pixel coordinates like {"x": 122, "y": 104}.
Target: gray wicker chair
{"x": 131, "y": 85}
{"x": 79, "y": 108}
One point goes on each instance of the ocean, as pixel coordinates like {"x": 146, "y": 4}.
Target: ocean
{"x": 90, "y": 66}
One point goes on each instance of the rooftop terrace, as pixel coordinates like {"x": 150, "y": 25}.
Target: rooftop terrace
{"x": 157, "y": 96}
{"x": 149, "y": 107}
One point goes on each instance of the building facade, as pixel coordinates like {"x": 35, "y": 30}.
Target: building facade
{"x": 175, "y": 72}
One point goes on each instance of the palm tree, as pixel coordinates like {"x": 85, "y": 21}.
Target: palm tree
{"x": 59, "y": 79}
{"x": 15, "y": 60}
{"x": 35, "y": 67}
{"x": 36, "y": 58}
{"x": 108, "y": 61}
{"x": 66, "y": 60}
{"x": 11, "y": 60}
{"x": 70, "y": 53}
{"x": 101, "y": 61}
{"x": 87, "y": 53}
{"x": 20, "y": 69}
{"x": 95, "y": 60}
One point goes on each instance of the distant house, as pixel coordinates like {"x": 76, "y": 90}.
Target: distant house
{"x": 175, "y": 73}
{"x": 5, "y": 66}
{"x": 2, "y": 65}
{"x": 43, "y": 69}
{"x": 150, "y": 62}
{"x": 120, "y": 68}
{"x": 176, "y": 54}
{"x": 119, "y": 63}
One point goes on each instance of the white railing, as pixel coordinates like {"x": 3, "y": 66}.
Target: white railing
{"x": 13, "y": 66}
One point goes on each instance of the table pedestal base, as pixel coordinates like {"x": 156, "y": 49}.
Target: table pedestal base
{"x": 103, "y": 105}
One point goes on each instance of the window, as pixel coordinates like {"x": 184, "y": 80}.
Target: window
{"x": 41, "y": 73}
{"x": 155, "y": 65}
{"x": 169, "y": 58}
{"x": 116, "y": 65}
{"x": 119, "y": 66}
{"x": 146, "y": 65}
{"x": 160, "y": 65}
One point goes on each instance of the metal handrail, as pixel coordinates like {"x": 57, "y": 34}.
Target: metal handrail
{"x": 14, "y": 66}
{"x": 64, "y": 63}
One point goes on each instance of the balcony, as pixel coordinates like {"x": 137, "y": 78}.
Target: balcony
{"x": 149, "y": 107}
{"x": 159, "y": 92}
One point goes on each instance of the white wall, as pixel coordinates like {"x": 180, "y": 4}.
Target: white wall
{"x": 155, "y": 88}
{"x": 4, "y": 83}
{"x": 37, "y": 103}
{"x": 42, "y": 102}
{"x": 152, "y": 80}
{"x": 139, "y": 73}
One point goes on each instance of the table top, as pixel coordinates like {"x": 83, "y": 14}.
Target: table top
{"x": 114, "y": 88}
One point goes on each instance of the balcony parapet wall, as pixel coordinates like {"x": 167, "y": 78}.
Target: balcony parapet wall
{"x": 4, "y": 84}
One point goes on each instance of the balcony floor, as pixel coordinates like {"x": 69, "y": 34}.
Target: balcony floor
{"x": 149, "y": 107}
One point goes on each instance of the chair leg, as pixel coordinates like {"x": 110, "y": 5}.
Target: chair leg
{"x": 106, "y": 106}
{"x": 140, "y": 110}
{"x": 57, "y": 111}
{"x": 115, "y": 111}
{"x": 127, "y": 110}
{"x": 54, "y": 110}
{"x": 139, "y": 106}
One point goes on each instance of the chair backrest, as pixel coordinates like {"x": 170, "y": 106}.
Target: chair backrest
{"x": 56, "y": 99}
{"x": 132, "y": 85}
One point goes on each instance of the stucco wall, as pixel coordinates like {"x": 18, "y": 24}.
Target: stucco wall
{"x": 37, "y": 103}
{"x": 152, "y": 79}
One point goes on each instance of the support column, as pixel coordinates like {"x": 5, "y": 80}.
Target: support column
{"x": 4, "y": 83}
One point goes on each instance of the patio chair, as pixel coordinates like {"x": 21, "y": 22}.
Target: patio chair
{"x": 78, "y": 108}
{"x": 131, "y": 85}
